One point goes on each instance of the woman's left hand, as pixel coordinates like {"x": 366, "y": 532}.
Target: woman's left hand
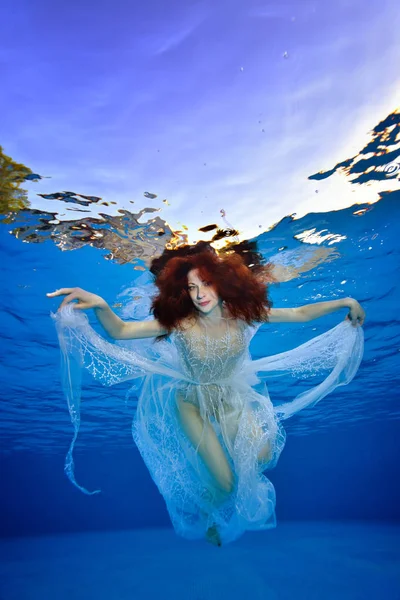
{"x": 356, "y": 314}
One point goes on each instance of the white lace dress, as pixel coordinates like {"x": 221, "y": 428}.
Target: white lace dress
{"x": 210, "y": 368}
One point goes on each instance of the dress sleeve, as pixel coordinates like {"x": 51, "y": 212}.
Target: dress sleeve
{"x": 336, "y": 354}
{"x": 110, "y": 363}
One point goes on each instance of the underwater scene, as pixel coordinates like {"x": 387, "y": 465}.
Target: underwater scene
{"x": 212, "y": 193}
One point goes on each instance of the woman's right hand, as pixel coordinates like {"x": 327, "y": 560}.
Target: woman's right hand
{"x": 357, "y": 314}
{"x": 84, "y": 299}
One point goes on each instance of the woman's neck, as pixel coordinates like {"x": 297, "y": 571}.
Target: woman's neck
{"x": 215, "y": 315}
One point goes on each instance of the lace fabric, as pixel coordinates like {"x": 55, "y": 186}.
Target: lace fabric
{"x": 209, "y": 367}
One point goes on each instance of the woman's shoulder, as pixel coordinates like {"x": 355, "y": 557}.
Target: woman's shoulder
{"x": 250, "y": 329}
{"x": 191, "y": 325}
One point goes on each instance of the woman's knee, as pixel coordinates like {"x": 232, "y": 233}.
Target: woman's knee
{"x": 265, "y": 447}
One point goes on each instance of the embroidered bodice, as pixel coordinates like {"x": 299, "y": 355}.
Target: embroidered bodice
{"x": 211, "y": 353}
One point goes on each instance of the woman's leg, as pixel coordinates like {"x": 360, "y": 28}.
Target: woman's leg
{"x": 265, "y": 452}
{"x": 203, "y": 437}
{"x": 254, "y": 432}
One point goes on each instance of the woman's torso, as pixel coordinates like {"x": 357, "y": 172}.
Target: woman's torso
{"x": 211, "y": 351}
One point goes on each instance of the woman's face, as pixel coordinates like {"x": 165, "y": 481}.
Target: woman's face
{"x": 202, "y": 293}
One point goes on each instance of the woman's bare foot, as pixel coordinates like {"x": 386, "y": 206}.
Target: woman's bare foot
{"x": 212, "y": 536}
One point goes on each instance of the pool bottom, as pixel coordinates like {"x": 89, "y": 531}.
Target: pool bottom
{"x": 298, "y": 560}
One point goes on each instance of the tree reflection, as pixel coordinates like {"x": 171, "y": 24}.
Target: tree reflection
{"x": 13, "y": 197}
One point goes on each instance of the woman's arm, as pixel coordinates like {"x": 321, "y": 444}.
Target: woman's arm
{"x": 309, "y": 312}
{"x": 111, "y": 323}
{"x": 127, "y": 330}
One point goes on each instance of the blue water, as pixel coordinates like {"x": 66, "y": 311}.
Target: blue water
{"x": 338, "y": 504}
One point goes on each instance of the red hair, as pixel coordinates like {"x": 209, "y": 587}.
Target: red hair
{"x": 244, "y": 294}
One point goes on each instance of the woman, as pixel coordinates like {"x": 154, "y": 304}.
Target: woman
{"x": 205, "y": 433}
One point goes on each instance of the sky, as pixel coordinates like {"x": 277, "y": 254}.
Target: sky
{"x": 211, "y": 105}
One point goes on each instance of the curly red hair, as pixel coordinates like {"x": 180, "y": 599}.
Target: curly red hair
{"x": 244, "y": 294}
